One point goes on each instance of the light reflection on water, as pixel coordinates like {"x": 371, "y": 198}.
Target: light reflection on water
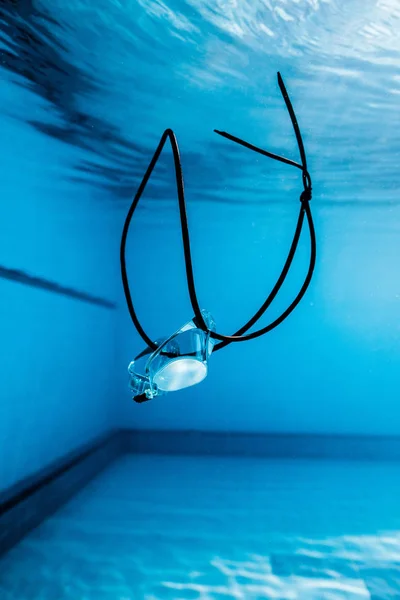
{"x": 117, "y": 74}
{"x": 155, "y": 527}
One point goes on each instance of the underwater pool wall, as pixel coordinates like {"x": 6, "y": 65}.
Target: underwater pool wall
{"x": 57, "y": 320}
{"x": 331, "y": 368}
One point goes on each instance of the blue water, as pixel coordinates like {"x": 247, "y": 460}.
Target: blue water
{"x": 87, "y": 92}
{"x": 156, "y": 527}
{"x": 87, "y": 88}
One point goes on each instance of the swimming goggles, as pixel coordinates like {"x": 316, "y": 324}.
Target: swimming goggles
{"x": 181, "y": 360}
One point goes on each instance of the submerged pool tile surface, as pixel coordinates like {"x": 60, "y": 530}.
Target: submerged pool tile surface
{"x": 176, "y": 528}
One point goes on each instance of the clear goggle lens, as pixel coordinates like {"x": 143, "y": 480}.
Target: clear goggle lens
{"x": 180, "y": 361}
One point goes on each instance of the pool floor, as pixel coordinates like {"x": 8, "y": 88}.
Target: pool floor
{"x": 179, "y": 528}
